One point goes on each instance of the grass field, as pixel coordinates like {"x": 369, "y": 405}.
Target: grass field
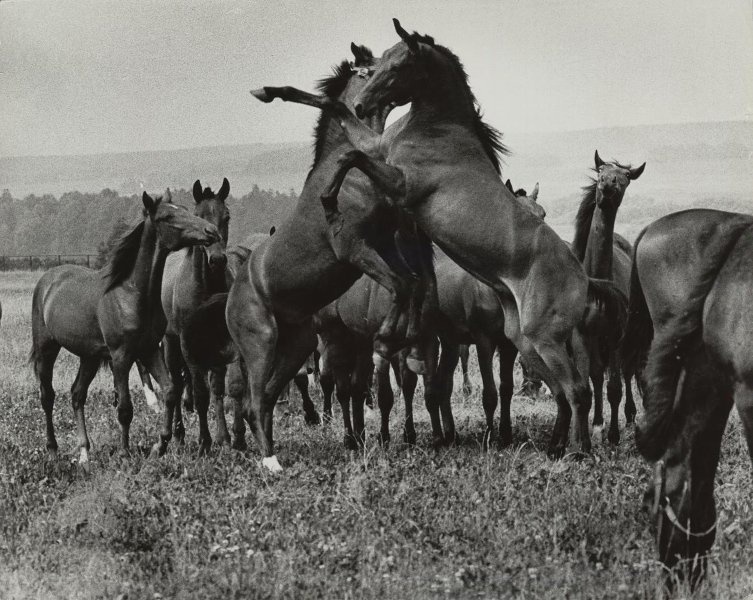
{"x": 382, "y": 523}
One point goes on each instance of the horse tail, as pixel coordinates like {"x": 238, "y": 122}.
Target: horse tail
{"x": 206, "y": 336}
{"x": 610, "y": 302}
{"x": 37, "y": 323}
{"x": 639, "y": 330}
{"x": 682, "y": 335}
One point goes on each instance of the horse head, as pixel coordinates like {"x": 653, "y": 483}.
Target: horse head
{"x": 529, "y": 202}
{"x": 176, "y": 227}
{"x": 212, "y": 208}
{"x": 612, "y": 181}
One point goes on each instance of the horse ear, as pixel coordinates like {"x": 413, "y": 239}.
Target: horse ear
{"x": 508, "y": 185}
{"x": 224, "y": 190}
{"x": 149, "y": 204}
{"x": 272, "y": 230}
{"x": 410, "y": 40}
{"x": 636, "y": 173}
{"x": 598, "y": 161}
{"x": 362, "y": 54}
{"x": 197, "y": 191}
{"x": 535, "y": 193}
{"x": 168, "y": 197}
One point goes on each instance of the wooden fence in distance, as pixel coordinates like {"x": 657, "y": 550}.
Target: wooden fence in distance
{"x": 31, "y": 262}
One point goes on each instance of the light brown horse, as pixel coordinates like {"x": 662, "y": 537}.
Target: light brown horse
{"x": 606, "y": 256}
{"x": 309, "y": 262}
{"x": 691, "y": 287}
{"x": 113, "y": 315}
{"x": 438, "y": 163}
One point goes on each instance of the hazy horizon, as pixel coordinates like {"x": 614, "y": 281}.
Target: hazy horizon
{"x": 84, "y": 77}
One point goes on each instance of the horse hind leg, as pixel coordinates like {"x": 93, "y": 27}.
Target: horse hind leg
{"x": 630, "y": 410}
{"x": 485, "y": 353}
{"x": 310, "y": 414}
{"x": 217, "y": 400}
{"x": 507, "y": 354}
{"x": 464, "y": 358}
{"x": 44, "y": 356}
{"x": 385, "y": 400}
{"x": 236, "y": 386}
{"x": 87, "y": 369}
{"x": 744, "y": 403}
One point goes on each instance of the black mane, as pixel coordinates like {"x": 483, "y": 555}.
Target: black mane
{"x": 123, "y": 257}
{"x": 490, "y": 137}
{"x": 583, "y": 220}
{"x": 332, "y": 87}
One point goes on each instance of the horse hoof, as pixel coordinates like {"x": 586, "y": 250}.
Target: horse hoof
{"x": 598, "y": 432}
{"x": 449, "y": 439}
{"x": 437, "y": 442}
{"x": 350, "y": 442}
{"x": 204, "y": 449}
{"x": 614, "y": 437}
{"x": 556, "y": 452}
{"x": 409, "y": 437}
{"x": 415, "y": 365}
{"x": 312, "y": 419}
{"x": 383, "y": 439}
{"x": 380, "y": 363}
{"x": 239, "y": 444}
{"x": 271, "y": 464}
{"x": 223, "y": 439}
{"x": 262, "y": 95}
{"x": 504, "y": 440}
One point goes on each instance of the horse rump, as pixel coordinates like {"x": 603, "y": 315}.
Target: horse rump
{"x": 678, "y": 339}
{"x": 639, "y": 330}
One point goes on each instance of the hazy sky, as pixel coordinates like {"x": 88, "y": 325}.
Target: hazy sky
{"x": 83, "y": 77}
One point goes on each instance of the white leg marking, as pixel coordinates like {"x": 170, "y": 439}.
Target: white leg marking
{"x": 151, "y": 399}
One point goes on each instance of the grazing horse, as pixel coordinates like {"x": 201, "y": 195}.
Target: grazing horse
{"x": 309, "y": 262}
{"x": 113, "y": 315}
{"x": 603, "y": 256}
{"x": 692, "y": 274}
{"x": 440, "y": 164}
{"x": 191, "y": 276}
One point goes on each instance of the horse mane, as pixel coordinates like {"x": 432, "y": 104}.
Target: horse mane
{"x": 489, "y": 136}
{"x": 583, "y": 220}
{"x": 123, "y": 257}
{"x": 331, "y": 86}
{"x": 676, "y": 342}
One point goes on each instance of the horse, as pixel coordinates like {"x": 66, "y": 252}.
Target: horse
{"x": 690, "y": 288}
{"x": 606, "y": 256}
{"x": 191, "y": 276}
{"x": 440, "y": 164}
{"x": 111, "y": 316}
{"x": 309, "y": 262}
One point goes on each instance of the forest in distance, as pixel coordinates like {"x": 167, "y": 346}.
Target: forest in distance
{"x": 82, "y": 223}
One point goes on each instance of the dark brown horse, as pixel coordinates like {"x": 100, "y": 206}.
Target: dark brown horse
{"x": 605, "y": 256}
{"x": 191, "y": 276}
{"x": 113, "y": 315}
{"x": 439, "y": 163}
{"x": 692, "y": 279}
{"x": 310, "y": 262}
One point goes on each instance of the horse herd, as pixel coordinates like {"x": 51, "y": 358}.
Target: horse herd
{"x": 453, "y": 256}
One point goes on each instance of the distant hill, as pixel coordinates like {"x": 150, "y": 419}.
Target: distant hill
{"x": 695, "y": 164}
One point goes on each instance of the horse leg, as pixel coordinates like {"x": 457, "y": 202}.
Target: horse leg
{"x": 122, "y": 362}
{"x": 597, "y": 381}
{"x": 217, "y": 399}
{"x": 327, "y": 381}
{"x": 45, "y": 355}
{"x": 201, "y": 405}
{"x": 744, "y": 403}
{"x": 310, "y": 415}
{"x": 614, "y": 396}
{"x": 465, "y": 352}
{"x": 236, "y": 387}
{"x": 507, "y": 354}
{"x": 485, "y": 354}
{"x": 629, "y": 402}
{"x": 359, "y": 390}
{"x": 438, "y": 390}
{"x": 385, "y": 400}
{"x": 87, "y": 369}
{"x": 173, "y": 391}
{"x": 147, "y": 386}
{"x": 408, "y": 382}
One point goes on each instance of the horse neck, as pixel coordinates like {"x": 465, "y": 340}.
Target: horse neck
{"x": 334, "y": 136}
{"x": 146, "y": 276}
{"x": 445, "y": 98}
{"x": 597, "y": 260}
{"x": 202, "y": 275}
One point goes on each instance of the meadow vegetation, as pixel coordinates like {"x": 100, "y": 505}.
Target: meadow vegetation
{"x": 399, "y": 522}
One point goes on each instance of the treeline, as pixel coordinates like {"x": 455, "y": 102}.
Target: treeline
{"x": 78, "y": 223}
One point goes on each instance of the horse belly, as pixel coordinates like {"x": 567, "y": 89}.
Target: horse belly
{"x": 71, "y": 317}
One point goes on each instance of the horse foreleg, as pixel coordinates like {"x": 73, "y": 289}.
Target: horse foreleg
{"x": 485, "y": 354}
{"x": 310, "y": 415}
{"x": 236, "y": 387}
{"x": 408, "y": 382}
{"x": 629, "y": 401}
{"x": 744, "y": 403}
{"x": 122, "y": 362}
{"x": 45, "y": 355}
{"x": 465, "y": 352}
{"x": 438, "y": 382}
{"x": 385, "y": 400}
{"x": 170, "y": 378}
{"x": 507, "y": 354}
{"x": 614, "y": 396}
{"x": 217, "y": 399}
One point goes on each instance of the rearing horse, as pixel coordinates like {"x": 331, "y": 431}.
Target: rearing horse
{"x": 439, "y": 164}
{"x": 113, "y": 315}
{"x": 310, "y": 262}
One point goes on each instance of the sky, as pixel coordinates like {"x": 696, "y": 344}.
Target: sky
{"x": 82, "y": 77}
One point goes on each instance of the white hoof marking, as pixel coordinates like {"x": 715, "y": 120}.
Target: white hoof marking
{"x": 271, "y": 464}
{"x": 151, "y": 399}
